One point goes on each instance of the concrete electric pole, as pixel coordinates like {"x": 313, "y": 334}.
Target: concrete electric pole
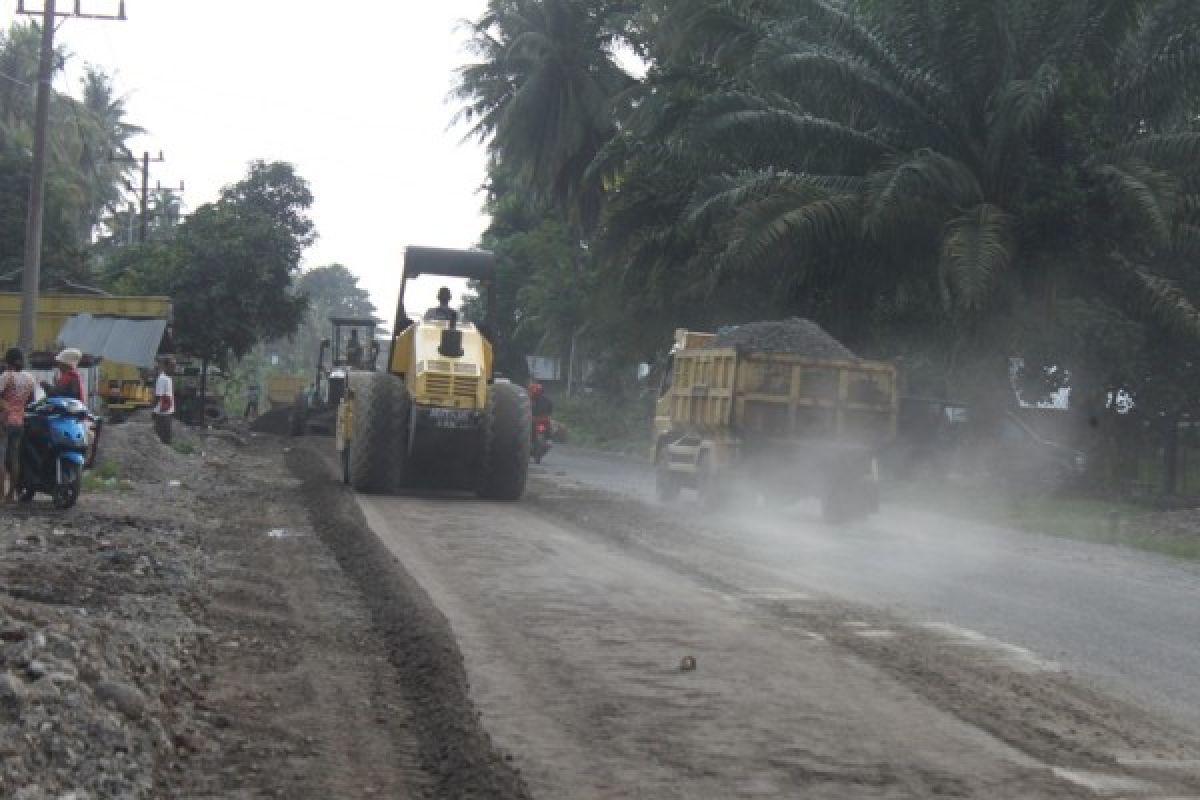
{"x": 31, "y": 277}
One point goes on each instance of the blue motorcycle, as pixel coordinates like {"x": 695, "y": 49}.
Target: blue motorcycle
{"x": 54, "y": 450}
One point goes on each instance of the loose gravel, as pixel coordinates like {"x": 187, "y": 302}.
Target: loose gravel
{"x": 796, "y": 335}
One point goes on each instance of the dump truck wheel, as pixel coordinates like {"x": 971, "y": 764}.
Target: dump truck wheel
{"x": 504, "y": 461}
{"x": 298, "y": 418}
{"x": 713, "y": 488}
{"x": 666, "y": 482}
{"x": 372, "y": 441}
{"x": 850, "y": 500}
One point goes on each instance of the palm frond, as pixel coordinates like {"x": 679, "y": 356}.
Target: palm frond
{"x": 781, "y": 235}
{"x": 739, "y": 120}
{"x": 927, "y": 177}
{"x": 976, "y": 248}
{"x": 1175, "y": 151}
{"x": 1146, "y": 194}
{"x": 1023, "y": 106}
{"x": 1163, "y": 299}
{"x": 727, "y": 195}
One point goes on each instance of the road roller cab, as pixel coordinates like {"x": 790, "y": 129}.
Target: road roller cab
{"x": 436, "y": 415}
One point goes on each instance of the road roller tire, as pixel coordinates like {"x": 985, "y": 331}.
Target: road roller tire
{"x": 373, "y": 452}
{"x": 504, "y": 461}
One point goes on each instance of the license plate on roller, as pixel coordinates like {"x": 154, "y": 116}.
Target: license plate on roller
{"x": 449, "y": 418}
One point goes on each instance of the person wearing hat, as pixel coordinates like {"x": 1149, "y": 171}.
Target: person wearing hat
{"x": 164, "y": 399}
{"x": 69, "y": 382}
{"x": 17, "y": 389}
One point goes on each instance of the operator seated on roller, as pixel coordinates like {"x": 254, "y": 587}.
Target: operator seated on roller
{"x": 354, "y": 349}
{"x": 442, "y": 310}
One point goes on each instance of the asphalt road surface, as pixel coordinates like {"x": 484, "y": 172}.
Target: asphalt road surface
{"x": 616, "y": 648}
{"x": 1127, "y": 620}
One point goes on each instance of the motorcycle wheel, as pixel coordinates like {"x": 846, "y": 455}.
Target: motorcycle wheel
{"x": 67, "y": 492}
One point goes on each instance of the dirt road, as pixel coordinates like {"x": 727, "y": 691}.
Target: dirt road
{"x": 1121, "y": 619}
{"x": 576, "y": 610}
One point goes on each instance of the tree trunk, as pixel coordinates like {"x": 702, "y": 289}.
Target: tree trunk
{"x": 203, "y": 390}
{"x": 1170, "y": 485}
{"x": 571, "y": 364}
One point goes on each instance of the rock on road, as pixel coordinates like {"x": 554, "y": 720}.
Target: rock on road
{"x": 575, "y": 609}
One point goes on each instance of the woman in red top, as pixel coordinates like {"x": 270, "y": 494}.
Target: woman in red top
{"x": 16, "y": 391}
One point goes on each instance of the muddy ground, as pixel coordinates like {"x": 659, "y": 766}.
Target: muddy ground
{"x": 187, "y": 632}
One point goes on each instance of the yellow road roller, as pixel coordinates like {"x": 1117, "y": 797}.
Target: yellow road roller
{"x": 437, "y": 416}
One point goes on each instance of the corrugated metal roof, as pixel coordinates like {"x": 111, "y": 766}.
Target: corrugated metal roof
{"x": 129, "y": 341}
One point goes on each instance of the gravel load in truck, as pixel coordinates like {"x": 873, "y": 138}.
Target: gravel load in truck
{"x": 796, "y": 335}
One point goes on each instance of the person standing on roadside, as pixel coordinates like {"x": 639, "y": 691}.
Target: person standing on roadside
{"x": 164, "y": 400}
{"x": 17, "y": 389}
{"x": 251, "y": 401}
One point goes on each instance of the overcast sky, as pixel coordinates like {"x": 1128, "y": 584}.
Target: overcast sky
{"x": 353, "y": 94}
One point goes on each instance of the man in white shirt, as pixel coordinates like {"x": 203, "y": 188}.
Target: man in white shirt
{"x": 164, "y": 399}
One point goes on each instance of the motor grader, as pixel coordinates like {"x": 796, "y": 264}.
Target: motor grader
{"x": 437, "y": 415}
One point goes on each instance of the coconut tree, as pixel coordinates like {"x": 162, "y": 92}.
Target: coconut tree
{"x": 103, "y": 131}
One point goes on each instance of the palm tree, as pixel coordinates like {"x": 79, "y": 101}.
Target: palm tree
{"x": 1000, "y": 146}
{"x": 542, "y": 94}
{"x": 103, "y": 131}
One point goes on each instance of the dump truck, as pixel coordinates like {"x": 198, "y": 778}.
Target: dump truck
{"x": 437, "y": 414}
{"x": 782, "y": 415}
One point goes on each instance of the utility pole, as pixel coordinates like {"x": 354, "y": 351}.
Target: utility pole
{"x": 31, "y": 276}
{"x": 144, "y": 191}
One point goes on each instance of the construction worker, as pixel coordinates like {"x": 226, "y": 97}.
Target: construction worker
{"x": 442, "y": 310}
{"x": 354, "y": 350}
{"x": 251, "y": 401}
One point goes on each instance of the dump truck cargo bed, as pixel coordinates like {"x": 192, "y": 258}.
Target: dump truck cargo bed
{"x": 786, "y": 423}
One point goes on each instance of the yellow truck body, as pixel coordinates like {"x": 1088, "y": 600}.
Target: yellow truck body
{"x": 121, "y": 385}
{"x": 785, "y": 422}
{"x": 282, "y": 389}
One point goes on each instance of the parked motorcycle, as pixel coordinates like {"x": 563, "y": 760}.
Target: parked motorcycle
{"x": 54, "y": 450}
{"x": 543, "y": 433}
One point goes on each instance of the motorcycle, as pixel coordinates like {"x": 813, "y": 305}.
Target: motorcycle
{"x": 54, "y": 450}
{"x": 543, "y": 432}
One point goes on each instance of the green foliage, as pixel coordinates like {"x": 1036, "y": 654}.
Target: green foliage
{"x": 83, "y": 183}
{"x": 331, "y": 290}
{"x": 229, "y": 266}
{"x": 946, "y": 182}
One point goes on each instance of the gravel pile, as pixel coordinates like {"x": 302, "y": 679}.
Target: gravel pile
{"x": 796, "y": 335}
{"x": 134, "y": 450}
{"x": 93, "y": 645}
